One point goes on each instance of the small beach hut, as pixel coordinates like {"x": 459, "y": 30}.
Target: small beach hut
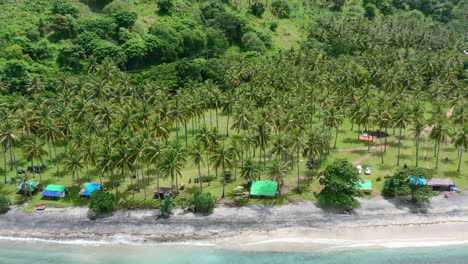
{"x": 264, "y": 188}
{"x": 89, "y": 188}
{"x": 162, "y": 191}
{"x": 441, "y": 185}
{"x": 54, "y": 191}
{"x": 28, "y": 187}
{"x": 365, "y": 186}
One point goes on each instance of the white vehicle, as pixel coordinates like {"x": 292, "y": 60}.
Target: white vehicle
{"x": 367, "y": 171}
{"x": 359, "y": 169}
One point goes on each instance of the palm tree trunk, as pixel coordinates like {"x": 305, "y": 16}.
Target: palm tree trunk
{"x": 437, "y": 156}
{"x": 40, "y": 174}
{"x": 460, "y": 152}
{"x": 386, "y": 133}
{"x": 227, "y": 125}
{"x": 298, "y": 171}
{"x": 157, "y": 177}
{"x": 235, "y": 169}
{"x": 5, "y": 163}
{"x": 143, "y": 178}
{"x": 32, "y": 166}
{"x": 50, "y": 153}
{"x": 186, "y": 134}
{"x": 208, "y": 163}
{"x": 224, "y": 182}
{"x": 217, "y": 123}
{"x": 148, "y": 173}
{"x": 100, "y": 178}
{"x": 336, "y": 137}
{"x": 57, "y": 161}
{"x": 211, "y": 119}
{"x": 399, "y": 145}
{"x": 200, "y": 178}
{"x": 176, "y": 183}
{"x": 177, "y": 132}
{"x": 417, "y": 150}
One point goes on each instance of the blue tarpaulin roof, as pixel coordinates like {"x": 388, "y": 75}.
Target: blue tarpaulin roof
{"x": 91, "y": 187}
{"x": 418, "y": 181}
{"x": 53, "y": 194}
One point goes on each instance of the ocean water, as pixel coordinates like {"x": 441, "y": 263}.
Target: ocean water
{"x": 38, "y": 252}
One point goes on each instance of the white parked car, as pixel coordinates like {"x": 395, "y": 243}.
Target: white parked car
{"x": 359, "y": 169}
{"x": 367, "y": 171}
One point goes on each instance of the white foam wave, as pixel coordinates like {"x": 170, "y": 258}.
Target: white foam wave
{"x": 340, "y": 243}
{"x": 112, "y": 240}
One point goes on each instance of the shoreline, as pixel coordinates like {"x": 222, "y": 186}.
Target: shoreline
{"x": 299, "y": 227}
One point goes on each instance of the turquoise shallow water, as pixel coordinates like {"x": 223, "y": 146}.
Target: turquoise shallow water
{"x": 13, "y": 252}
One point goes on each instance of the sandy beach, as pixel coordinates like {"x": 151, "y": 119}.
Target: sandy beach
{"x": 301, "y": 226}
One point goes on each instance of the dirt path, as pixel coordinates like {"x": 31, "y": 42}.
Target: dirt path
{"x": 351, "y": 149}
{"x": 370, "y": 154}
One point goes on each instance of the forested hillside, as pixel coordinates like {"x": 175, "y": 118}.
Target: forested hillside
{"x": 164, "y": 89}
{"x": 175, "y": 41}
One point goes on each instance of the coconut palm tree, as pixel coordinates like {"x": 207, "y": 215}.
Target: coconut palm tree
{"x": 234, "y": 152}
{"x": 418, "y": 127}
{"x": 73, "y": 163}
{"x": 401, "y": 120}
{"x": 51, "y": 133}
{"x": 172, "y": 164}
{"x": 34, "y": 150}
{"x": 460, "y": 140}
{"x": 280, "y": 147}
{"x": 221, "y": 158}
{"x": 89, "y": 152}
{"x": 7, "y": 140}
{"x": 249, "y": 170}
{"x": 227, "y": 105}
{"x": 155, "y": 152}
{"x": 207, "y": 139}
{"x": 277, "y": 171}
{"x": 196, "y": 154}
{"x": 262, "y": 134}
{"x": 439, "y": 133}
{"x": 105, "y": 161}
{"x": 333, "y": 118}
{"x": 297, "y": 144}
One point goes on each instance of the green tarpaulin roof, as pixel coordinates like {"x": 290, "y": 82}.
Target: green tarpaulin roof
{"x": 264, "y": 188}
{"x": 31, "y": 185}
{"x": 365, "y": 185}
{"x": 55, "y": 188}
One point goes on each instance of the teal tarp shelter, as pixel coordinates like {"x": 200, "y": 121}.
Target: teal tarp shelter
{"x": 89, "y": 188}
{"x": 30, "y": 185}
{"x": 264, "y": 188}
{"x": 365, "y": 186}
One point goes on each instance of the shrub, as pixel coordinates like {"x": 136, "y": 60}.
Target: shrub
{"x": 378, "y": 179}
{"x": 203, "y": 203}
{"x": 273, "y": 26}
{"x": 65, "y": 8}
{"x": 257, "y": 8}
{"x": 165, "y": 6}
{"x": 166, "y": 206}
{"x": 251, "y": 42}
{"x": 280, "y": 8}
{"x": 118, "y": 5}
{"x": 4, "y": 204}
{"x": 101, "y": 202}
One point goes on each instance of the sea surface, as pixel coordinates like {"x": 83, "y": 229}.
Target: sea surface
{"x": 38, "y": 252}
